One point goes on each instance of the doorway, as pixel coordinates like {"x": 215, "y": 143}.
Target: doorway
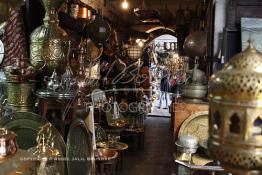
{"x": 162, "y": 50}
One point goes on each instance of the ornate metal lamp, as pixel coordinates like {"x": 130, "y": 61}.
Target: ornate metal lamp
{"x": 235, "y": 117}
{"x": 49, "y": 42}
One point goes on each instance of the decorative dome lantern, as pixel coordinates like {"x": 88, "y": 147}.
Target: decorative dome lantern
{"x": 134, "y": 52}
{"x": 235, "y": 116}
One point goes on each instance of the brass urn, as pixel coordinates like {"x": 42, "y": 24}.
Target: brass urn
{"x": 235, "y": 114}
{"x": 49, "y": 42}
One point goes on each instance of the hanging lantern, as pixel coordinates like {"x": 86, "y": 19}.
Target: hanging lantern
{"x": 134, "y": 52}
{"x": 99, "y": 30}
{"x": 48, "y": 45}
{"x": 235, "y": 117}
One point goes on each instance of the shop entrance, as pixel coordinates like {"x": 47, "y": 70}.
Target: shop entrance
{"x": 163, "y": 54}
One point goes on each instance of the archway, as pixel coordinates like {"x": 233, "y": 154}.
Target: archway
{"x": 162, "y": 45}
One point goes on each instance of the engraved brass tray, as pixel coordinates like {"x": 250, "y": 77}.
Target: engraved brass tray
{"x": 80, "y": 153}
{"x": 26, "y": 126}
{"x": 196, "y": 125}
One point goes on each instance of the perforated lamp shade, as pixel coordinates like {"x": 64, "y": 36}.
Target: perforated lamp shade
{"x": 134, "y": 52}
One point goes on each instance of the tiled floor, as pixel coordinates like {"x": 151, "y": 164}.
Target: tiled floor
{"x": 157, "y": 156}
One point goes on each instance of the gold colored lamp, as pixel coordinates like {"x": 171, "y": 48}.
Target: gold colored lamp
{"x": 6, "y": 6}
{"x": 235, "y": 114}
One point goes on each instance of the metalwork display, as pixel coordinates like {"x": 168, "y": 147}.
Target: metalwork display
{"x": 60, "y": 89}
{"x": 79, "y": 149}
{"x": 195, "y": 44}
{"x": 49, "y": 42}
{"x": 26, "y": 125}
{"x": 196, "y": 125}
{"x": 45, "y": 152}
{"x": 235, "y": 134}
{"x": 8, "y": 145}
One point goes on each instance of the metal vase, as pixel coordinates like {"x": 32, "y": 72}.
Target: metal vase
{"x": 49, "y": 42}
{"x": 20, "y": 95}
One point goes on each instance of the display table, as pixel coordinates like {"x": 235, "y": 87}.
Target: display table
{"x": 181, "y": 109}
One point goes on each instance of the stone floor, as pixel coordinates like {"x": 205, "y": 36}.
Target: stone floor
{"x": 156, "y": 158}
{"x": 158, "y": 110}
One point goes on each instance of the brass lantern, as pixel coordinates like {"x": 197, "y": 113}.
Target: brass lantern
{"x": 235, "y": 117}
{"x": 49, "y": 42}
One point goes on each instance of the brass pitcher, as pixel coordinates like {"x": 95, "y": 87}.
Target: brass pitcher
{"x": 49, "y": 42}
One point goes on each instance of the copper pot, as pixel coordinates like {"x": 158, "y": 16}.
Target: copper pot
{"x": 8, "y": 145}
{"x": 84, "y": 13}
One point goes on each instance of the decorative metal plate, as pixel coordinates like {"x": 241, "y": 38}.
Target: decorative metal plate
{"x": 80, "y": 152}
{"x": 196, "y": 125}
{"x": 26, "y": 126}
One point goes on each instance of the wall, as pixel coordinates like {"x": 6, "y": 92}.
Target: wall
{"x": 219, "y": 24}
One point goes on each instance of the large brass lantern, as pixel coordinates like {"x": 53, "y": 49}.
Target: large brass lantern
{"x": 48, "y": 45}
{"x": 235, "y": 117}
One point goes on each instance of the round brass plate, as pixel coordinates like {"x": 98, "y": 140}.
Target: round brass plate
{"x": 196, "y": 125}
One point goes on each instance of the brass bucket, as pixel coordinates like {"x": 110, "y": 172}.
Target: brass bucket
{"x": 20, "y": 95}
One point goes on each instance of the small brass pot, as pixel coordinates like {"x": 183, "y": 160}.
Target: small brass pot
{"x": 20, "y": 95}
{"x": 8, "y": 145}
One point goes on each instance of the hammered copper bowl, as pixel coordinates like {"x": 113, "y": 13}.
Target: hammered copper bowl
{"x": 102, "y": 154}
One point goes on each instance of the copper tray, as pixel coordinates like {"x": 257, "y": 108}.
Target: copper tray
{"x": 196, "y": 125}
